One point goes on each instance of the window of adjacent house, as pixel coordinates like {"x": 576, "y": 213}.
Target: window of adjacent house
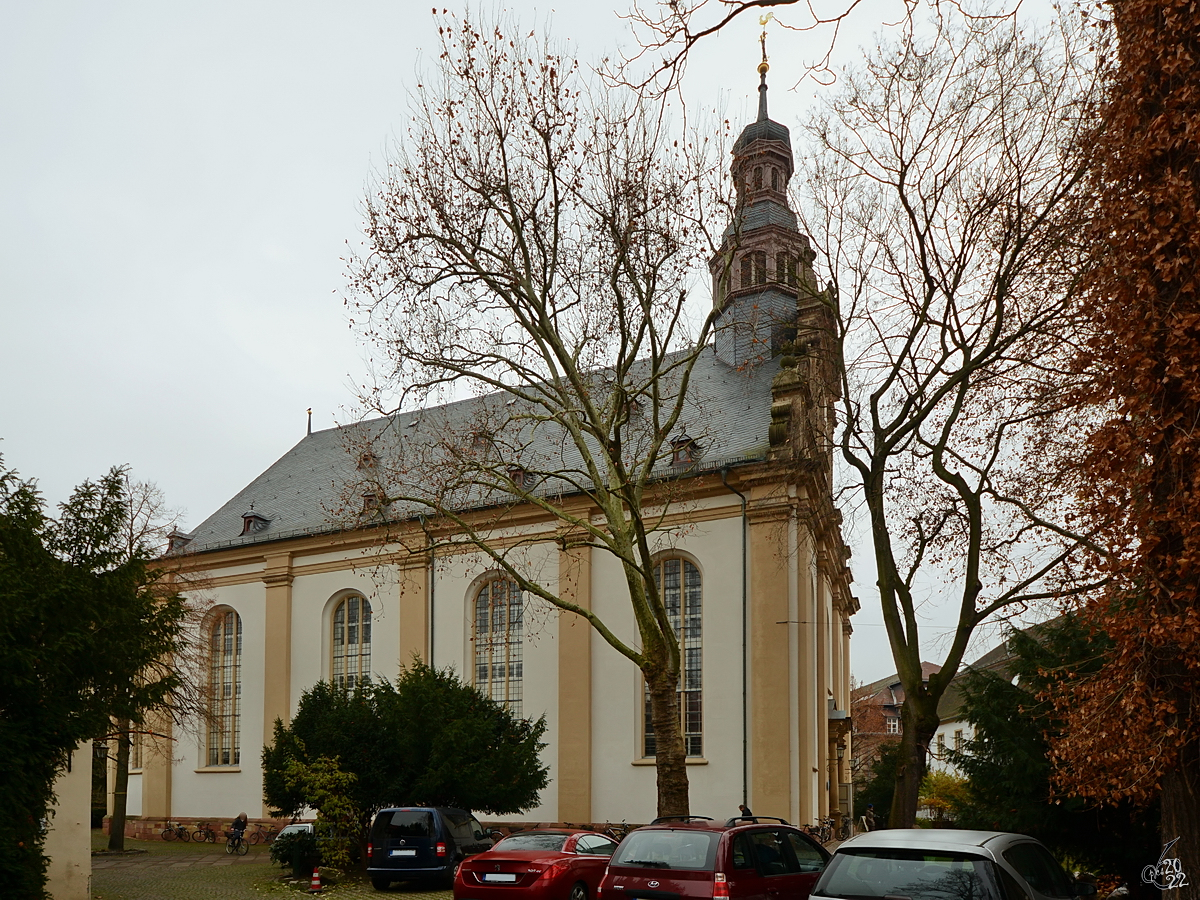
{"x": 941, "y": 745}
{"x": 225, "y": 689}
{"x": 679, "y": 582}
{"x": 498, "y": 642}
{"x": 958, "y": 738}
{"x": 351, "y": 643}
{"x": 893, "y": 725}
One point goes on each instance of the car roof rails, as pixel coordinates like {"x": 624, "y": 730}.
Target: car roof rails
{"x": 754, "y": 820}
{"x": 663, "y": 819}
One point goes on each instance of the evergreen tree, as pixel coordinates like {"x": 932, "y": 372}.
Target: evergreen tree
{"x": 85, "y": 634}
{"x": 1008, "y": 761}
{"x": 428, "y": 740}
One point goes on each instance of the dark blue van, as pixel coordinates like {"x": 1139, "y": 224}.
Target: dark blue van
{"x": 421, "y": 842}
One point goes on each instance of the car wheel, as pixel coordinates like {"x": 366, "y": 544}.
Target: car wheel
{"x": 579, "y": 891}
{"x": 452, "y": 874}
{"x": 380, "y": 884}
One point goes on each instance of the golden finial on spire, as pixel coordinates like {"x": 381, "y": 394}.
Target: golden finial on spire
{"x": 763, "y": 20}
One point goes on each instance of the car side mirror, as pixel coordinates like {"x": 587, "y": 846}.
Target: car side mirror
{"x": 479, "y": 835}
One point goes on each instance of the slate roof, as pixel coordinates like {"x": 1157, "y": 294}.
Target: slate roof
{"x": 764, "y": 212}
{"x": 762, "y": 130}
{"x": 727, "y": 412}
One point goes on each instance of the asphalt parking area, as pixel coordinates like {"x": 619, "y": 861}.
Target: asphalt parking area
{"x": 175, "y": 871}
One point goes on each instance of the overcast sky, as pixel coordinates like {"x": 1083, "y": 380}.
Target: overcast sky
{"x": 178, "y": 182}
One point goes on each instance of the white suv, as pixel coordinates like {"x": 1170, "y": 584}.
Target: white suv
{"x": 942, "y": 864}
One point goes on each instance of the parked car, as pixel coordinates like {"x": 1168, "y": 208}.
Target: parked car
{"x": 701, "y": 859}
{"x": 943, "y": 864}
{"x": 295, "y": 828}
{"x": 551, "y": 864}
{"x": 421, "y": 843}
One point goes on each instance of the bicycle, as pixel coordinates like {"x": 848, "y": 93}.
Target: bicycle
{"x": 844, "y": 831}
{"x": 176, "y": 830}
{"x": 204, "y": 832}
{"x": 235, "y": 842}
{"x": 265, "y": 835}
{"x": 616, "y": 832}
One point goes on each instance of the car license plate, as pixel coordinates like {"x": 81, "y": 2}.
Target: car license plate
{"x": 404, "y": 853}
{"x": 499, "y": 877}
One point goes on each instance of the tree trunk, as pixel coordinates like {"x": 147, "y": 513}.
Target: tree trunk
{"x": 670, "y": 755}
{"x": 1181, "y": 819}
{"x": 116, "y": 825}
{"x": 920, "y": 722}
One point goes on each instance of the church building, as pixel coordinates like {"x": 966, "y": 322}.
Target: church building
{"x": 758, "y": 570}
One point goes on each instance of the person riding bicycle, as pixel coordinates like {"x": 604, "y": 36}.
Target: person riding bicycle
{"x": 239, "y": 826}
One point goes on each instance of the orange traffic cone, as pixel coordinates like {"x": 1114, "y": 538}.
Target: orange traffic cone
{"x": 315, "y": 887}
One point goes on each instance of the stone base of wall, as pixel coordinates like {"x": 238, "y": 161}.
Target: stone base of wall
{"x": 151, "y": 829}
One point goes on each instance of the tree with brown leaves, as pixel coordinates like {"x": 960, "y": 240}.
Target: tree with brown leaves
{"x": 1132, "y": 729}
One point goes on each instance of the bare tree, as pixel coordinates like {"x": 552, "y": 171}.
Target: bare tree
{"x": 667, "y": 33}
{"x": 533, "y": 243}
{"x": 146, "y": 529}
{"x": 943, "y": 186}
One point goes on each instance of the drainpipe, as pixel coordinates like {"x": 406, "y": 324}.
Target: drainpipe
{"x": 745, "y": 721}
{"x": 432, "y": 582}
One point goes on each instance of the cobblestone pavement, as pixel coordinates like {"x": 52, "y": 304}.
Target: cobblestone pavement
{"x": 175, "y": 871}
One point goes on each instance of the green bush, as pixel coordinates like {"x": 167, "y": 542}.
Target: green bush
{"x": 298, "y": 850}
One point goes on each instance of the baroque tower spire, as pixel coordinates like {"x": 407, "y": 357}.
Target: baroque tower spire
{"x": 762, "y": 275}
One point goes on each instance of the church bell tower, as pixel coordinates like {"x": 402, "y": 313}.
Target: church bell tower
{"x": 762, "y": 277}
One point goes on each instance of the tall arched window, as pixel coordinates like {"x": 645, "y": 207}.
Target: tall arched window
{"x": 679, "y": 581}
{"x": 760, "y": 266}
{"x": 498, "y": 668}
{"x": 225, "y": 689}
{"x": 785, "y": 268}
{"x": 351, "y": 642}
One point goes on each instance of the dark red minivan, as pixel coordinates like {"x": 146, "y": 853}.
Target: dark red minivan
{"x": 700, "y": 859}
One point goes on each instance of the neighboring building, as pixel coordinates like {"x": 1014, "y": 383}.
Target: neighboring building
{"x": 875, "y": 711}
{"x": 757, "y": 572}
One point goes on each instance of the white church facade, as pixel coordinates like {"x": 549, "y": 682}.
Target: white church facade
{"x": 757, "y": 569}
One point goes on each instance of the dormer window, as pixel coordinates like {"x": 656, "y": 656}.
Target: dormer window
{"x": 177, "y": 540}
{"x": 253, "y": 522}
{"x": 370, "y": 501}
{"x": 520, "y": 478}
{"x": 684, "y": 450}
{"x": 368, "y": 460}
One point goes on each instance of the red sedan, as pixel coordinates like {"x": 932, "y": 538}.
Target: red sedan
{"x": 537, "y": 865}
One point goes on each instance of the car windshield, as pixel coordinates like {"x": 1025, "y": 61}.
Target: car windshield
{"x": 667, "y": 850}
{"x": 534, "y": 841}
{"x": 906, "y": 875}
